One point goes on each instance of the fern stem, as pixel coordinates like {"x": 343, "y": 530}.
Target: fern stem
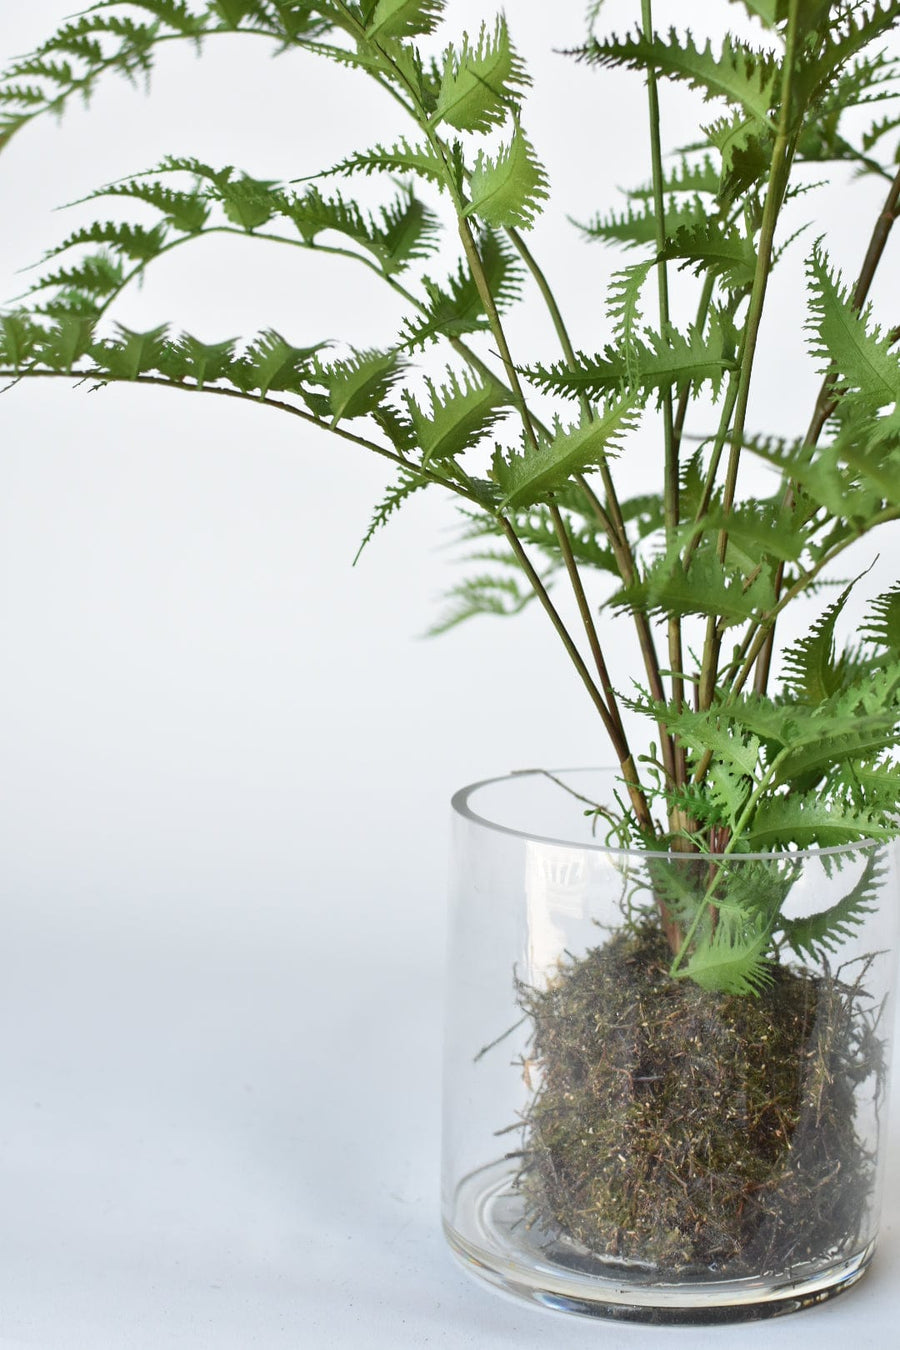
{"x": 779, "y": 173}
{"x": 684, "y": 398}
{"x": 625, "y": 562}
{"x": 587, "y": 620}
{"x": 568, "y": 641}
{"x": 476, "y": 266}
{"x": 626, "y": 761}
{"x": 672, "y": 483}
{"x": 740, "y": 826}
{"x": 826, "y": 403}
{"x": 611, "y": 518}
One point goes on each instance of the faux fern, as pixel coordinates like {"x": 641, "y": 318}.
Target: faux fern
{"x": 695, "y": 568}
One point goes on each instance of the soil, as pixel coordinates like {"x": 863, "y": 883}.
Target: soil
{"x": 695, "y": 1131}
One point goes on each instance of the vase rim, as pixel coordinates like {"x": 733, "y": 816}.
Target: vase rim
{"x": 460, "y": 804}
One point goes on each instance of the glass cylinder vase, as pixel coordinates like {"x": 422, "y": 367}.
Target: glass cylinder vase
{"x": 621, "y": 1141}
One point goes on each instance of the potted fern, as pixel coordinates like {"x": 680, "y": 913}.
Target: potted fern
{"x": 667, "y": 1041}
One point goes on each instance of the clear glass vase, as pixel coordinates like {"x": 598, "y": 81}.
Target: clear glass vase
{"x": 621, "y": 1143}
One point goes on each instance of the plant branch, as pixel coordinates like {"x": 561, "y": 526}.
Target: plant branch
{"x": 101, "y": 379}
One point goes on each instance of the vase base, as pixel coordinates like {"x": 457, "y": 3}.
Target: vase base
{"x": 489, "y": 1236}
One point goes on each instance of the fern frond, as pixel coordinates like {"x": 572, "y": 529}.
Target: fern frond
{"x": 709, "y": 588}
{"x": 689, "y": 176}
{"x": 358, "y": 385}
{"x": 132, "y": 354}
{"x": 458, "y": 415}
{"x": 654, "y": 365}
{"x": 481, "y": 81}
{"x": 92, "y": 279}
{"x": 844, "y": 342}
{"x": 456, "y": 307}
{"x": 419, "y": 160}
{"x": 823, "y": 933}
{"x": 203, "y": 363}
{"x": 738, "y": 74}
{"x": 132, "y": 241}
{"x": 858, "y": 27}
{"x": 745, "y": 148}
{"x": 808, "y": 820}
{"x": 732, "y": 958}
{"x": 270, "y": 363}
{"x": 706, "y": 246}
{"x": 187, "y": 212}
{"x": 882, "y": 624}
{"x": 508, "y": 189}
{"x": 502, "y": 596}
{"x": 107, "y": 39}
{"x": 528, "y": 476}
{"x": 812, "y": 672}
{"x": 406, "y": 485}
{"x": 636, "y": 228}
{"x": 404, "y": 18}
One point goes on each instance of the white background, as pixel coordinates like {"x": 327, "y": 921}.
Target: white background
{"x": 227, "y": 758}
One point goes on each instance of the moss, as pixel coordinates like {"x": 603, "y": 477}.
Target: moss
{"x": 691, "y": 1130}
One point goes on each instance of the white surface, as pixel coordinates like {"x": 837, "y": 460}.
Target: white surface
{"x": 226, "y": 764}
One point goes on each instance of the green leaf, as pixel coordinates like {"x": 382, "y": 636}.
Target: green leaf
{"x": 404, "y": 18}
{"x": 767, "y": 11}
{"x": 96, "y": 277}
{"x": 844, "y": 343}
{"x": 401, "y": 157}
{"x": 407, "y": 483}
{"x": 746, "y": 150}
{"x": 480, "y": 82}
{"x": 701, "y": 731}
{"x": 826, "y": 931}
{"x": 502, "y": 596}
{"x": 732, "y": 959}
{"x": 131, "y": 354}
{"x": 67, "y": 341}
{"x": 132, "y": 241}
{"x": 190, "y": 359}
{"x": 708, "y": 588}
{"x": 528, "y": 477}
{"x": 838, "y": 740}
{"x": 20, "y": 337}
{"x": 358, "y": 386}
{"x": 812, "y": 672}
{"x": 508, "y": 189}
{"x": 270, "y": 363}
{"x": 185, "y": 211}
{"x": 687, "y": 176}
{"x": 456, "y": 307}
{"x": 459, "y": 414}
{"x": 707, "y": 247}
{"x": 636, "y": 227}
{"x": 882, "y": 624}
{"x": 747, "y": 78}
{"x": 810, "y": 820}
{"x": 656, "y": 364}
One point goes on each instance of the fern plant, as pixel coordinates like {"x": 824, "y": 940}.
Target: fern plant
{"x": 698, "y": 571}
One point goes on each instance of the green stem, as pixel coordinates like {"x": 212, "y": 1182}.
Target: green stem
{"x": 610, "y": 518}
{"x": 671, "y": 473}
{"x": 779, "y": 172}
